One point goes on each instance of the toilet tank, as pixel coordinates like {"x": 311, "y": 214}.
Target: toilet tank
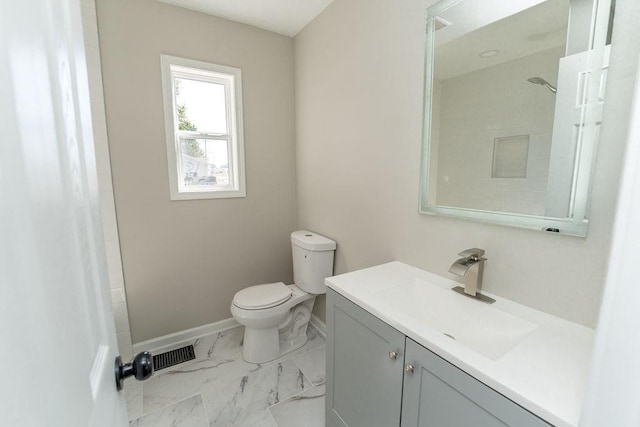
{"x": 312, "y": 260}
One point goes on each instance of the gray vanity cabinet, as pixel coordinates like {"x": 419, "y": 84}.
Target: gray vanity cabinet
{"x": 436, "y": 393}
{"x": 364, "y": 367}
{"x": 377, "y": 377}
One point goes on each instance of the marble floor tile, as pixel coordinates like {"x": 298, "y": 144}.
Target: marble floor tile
{"x": 219, "y": 345}
{"x": 236, "y": 400}
{"x": 313, "y": 342}
{"x": 228, "y": 345}
{"x": 133, "y": 397}
{"x": 257, "y": 419}
{"x": 312, "y": 364}
{"x": 223, "y": 362}
{"x": 187, "y": 413}
{"x": 232, "y": 392}
{"x": 174, "y": 385}
{"x": 303, "y": 410}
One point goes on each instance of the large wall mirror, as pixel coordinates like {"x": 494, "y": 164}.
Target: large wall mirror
{"x": 513, "y": 102}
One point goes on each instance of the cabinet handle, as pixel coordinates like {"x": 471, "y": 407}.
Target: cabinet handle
{"x": 408, "y": 368}
{"x": 393, "y": 355}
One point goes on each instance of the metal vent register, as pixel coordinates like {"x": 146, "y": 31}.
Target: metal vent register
{"x": 173, "y": 357}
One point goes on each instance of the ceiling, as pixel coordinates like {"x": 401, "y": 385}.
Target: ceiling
{"x": 285, "y": 17}
{"x": 530, "y": 31}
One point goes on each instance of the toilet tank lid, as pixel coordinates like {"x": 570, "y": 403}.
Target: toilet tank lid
{"x": 312, "y": 241}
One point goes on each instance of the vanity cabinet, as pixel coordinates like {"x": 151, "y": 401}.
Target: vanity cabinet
{"x": 376, "y": 376}
{"x": 364, "y": 367}
{"x": 436, "y": 393}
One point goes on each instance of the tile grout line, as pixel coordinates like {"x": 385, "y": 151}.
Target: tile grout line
{"x": 292, "y": 397}
{"x": 304, "y": 375}
{"x": 272, "y": 417}
{"x": 177, "y": 402}
{"x": 130, "y": 404}
{"x": 142, "y": 399}
{"x": 302, "y": 370}
{"x": 204, "y": 408}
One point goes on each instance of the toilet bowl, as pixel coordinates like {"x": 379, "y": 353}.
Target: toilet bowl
{"x": 275, "y": 315}
{"x": 263, "y": 339}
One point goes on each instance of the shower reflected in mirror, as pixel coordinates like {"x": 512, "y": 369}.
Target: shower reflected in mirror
{"x": 496, "y": 148}
{"x": 543, "y": 82}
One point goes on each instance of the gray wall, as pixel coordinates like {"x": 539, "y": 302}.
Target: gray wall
{"x": 184, "y": 260}
{"x": 359, "y": 69}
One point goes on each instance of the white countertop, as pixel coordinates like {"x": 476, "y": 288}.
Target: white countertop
{"x": 545, "y": 373}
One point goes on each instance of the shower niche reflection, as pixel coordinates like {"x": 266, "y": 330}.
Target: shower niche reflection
{"x": 511, "y": 111}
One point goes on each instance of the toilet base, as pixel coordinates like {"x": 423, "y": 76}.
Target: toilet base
{"x": 264, "y": 345}
{"x": 261, "y": 348}
{"x": 260, "y": 345}
{"x": 294, "y": 344}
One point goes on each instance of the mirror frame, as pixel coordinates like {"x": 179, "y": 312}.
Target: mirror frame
{"x": 577, "y": 222}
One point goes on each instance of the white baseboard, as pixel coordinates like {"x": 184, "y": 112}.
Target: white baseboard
{"x": 186, "y": 335}
{"x": 177, "y": 338}
{"x": 319, "y": 326}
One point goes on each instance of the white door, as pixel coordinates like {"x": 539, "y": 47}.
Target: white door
{"x": 57, "y": 330}
{"x": 574, "y": 78}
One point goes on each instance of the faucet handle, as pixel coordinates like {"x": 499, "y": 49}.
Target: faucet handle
{"x": 472, "y": 252}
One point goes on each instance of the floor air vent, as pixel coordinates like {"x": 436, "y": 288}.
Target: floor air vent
{"x": 173, "y": 357}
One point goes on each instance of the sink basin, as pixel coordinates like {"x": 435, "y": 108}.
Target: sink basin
{"x": 478, "y": 326}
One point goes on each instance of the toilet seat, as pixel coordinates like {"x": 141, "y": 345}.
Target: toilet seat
{"x": 262, "y": 296}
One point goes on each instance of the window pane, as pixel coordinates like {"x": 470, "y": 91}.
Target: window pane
{"x": 205, "y": 164}
{"x": 201, "y": 106}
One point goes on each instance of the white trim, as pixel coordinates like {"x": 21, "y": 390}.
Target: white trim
{"x": 235, "y": 127}
{"x": 319, "y": 326}
{"x": 186, "y": 335}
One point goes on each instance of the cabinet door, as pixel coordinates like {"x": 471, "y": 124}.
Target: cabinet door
{"x": 364, "y": 382}
{"x": 439, "y": 394}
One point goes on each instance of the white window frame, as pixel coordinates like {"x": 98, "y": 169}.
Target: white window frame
{"x": 231, "y": 78}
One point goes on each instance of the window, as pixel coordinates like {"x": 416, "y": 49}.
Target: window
{"x": 203, "y": 124}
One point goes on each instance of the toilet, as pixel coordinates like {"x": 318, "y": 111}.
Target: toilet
{"x": 275, "y": 316}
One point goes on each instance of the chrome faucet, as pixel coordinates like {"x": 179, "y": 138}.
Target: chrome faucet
{"x": 471, "y": 267}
